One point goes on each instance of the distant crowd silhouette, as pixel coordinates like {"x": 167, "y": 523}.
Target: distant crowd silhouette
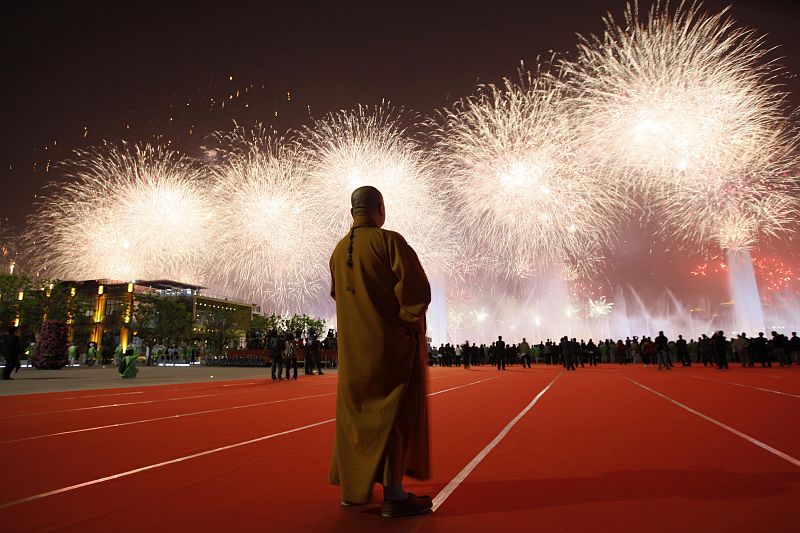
{"x": 716, "y": 350}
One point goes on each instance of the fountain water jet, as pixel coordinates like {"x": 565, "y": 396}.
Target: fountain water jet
{"x": 748, "y": 314}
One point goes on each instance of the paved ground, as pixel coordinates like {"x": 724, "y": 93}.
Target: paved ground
{"x": 31, "y": 381}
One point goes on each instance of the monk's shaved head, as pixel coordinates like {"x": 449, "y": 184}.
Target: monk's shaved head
{"x": 368, "y": 200}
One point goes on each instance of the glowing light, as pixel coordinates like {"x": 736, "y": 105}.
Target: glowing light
{"x": 133, "y": 211}
{"x": 272, "y": 249}
{"x": 370, "y": 146}
{"x": 598, "y": 308}
{"x": 480, "y": 315}
{"x": 519, "y": 180}
{"x": 684, "y": 107}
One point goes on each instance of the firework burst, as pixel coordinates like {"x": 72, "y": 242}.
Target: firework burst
{"x": 272, "y": 250}
{"x": 684, "y": 106}
{"x": 369, "y": 146}
{"x": 527, "y": 197}
{"x": 598, "y": 308}
{"x": 124, "y": 213}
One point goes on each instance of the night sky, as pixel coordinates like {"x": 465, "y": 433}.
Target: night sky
{"x": 76, "y": 73}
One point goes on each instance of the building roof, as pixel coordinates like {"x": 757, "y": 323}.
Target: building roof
{"x": 163, "y": 284}
{"x": 168, "y": 284}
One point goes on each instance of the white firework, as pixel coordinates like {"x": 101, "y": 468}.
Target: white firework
{"x": 369, "y": 146}
{"x": 685, "y": 107}
{"x": 273, "y": 250}
{"x": 526, "y": 196}
{"x": 598, "y": 308}
{"x": 125, "y": 212}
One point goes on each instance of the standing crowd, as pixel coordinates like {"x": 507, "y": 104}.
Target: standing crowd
{"x": 716, "y": 350}
{"x": 283, "y": 350}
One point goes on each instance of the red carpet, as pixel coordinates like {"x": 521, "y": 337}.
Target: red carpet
{"x": 597, "y": 452}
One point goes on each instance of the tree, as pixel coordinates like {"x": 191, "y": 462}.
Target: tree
{"x": 261, "y": 324}
{"x": 10, "y": 287}
{"x": 286, "y": 324}
{"x": 159, "y": 319}
{"x": 218, "y": 327}
{"x": 41, "y": 300}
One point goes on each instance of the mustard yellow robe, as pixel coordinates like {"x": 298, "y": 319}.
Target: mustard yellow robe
{"x": 380, "y": 310}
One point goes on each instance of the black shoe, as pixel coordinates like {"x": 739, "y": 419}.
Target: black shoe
{"x": 411, "y": 506}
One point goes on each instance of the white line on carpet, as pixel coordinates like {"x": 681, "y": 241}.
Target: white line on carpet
{"x": 168, "y": 417}
{"x": 110, "y": 405}
{"x": 187, "y": 457}
{"x": 746, "y": 386}
{"x": 158, "y": 465}
{"x": 748, "y": 438}
{"x": 467, "y": 470}
{"x": 100, "y": 395}
{"x": 462, "y": 386}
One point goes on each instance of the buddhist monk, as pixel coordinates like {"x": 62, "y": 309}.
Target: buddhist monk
{"x": 381, "y": 294}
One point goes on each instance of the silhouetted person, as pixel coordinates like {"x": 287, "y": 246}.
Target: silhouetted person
{"x": 290, "y": 356}
{"x": 500, "y": 353}
{"x": 780, "y": 349}
{"x": 794, "y": 348}
{"x": 662, "y": 351}
{"x": 591, "y": 353}
{"x": 12, "y": 350}
{"x": 525, "y": 353}
{"x": 720, "y": 348}
{"x": 682, "y": 350}
{"x": 759, "y": 347}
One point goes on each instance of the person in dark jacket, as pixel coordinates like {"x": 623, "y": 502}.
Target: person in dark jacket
{"x": 500, "y": 353}
{"x": 662, "y": 351}
{"x": 794, "y": 348}
{"x": 314, "y": 351}
{"x": 780, "y": 349}
{"x": 290, "y": 356}
{"x": 759, "y": 348}
{"x": 591, "y": 353}
{"x": 682, "y": 349}
{"x": 720, "y": 349}
{"x": 569, "y": 352}
{"x": 12, "y": 349}
{"x": 275, "y": 354}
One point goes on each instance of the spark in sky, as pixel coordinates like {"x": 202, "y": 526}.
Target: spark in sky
{"x": 772, "y": 273}
{"x": 526, "y": 196}
{"x": 124, "y": 212}
{"x": 598, "y": 308}
{"x": 269, "y": 248}
{"x": 685, "y": 107}
{"x": 370, "y": 146}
